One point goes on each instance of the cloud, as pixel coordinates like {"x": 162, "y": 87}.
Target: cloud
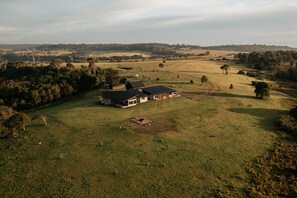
{"x": 190, "y": 21}
{"x": 4, "y": 29}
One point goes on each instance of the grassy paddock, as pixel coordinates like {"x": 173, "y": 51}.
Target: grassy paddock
{"x": 84, "y": 153}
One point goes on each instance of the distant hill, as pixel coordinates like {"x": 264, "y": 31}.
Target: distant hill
{"x": 249, "y": 48}
{"x": 160, "y": 49}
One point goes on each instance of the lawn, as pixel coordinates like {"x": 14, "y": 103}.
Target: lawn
{"x": 83, "y": 152}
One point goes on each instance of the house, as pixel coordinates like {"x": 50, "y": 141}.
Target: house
{"x": 159, "y": 92}
{"x": 134, "y": 85}
{"x": 136, "y": 93}
{"x": 123, "y": 98}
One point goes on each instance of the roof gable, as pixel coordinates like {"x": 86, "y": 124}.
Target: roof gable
{"x": 134, "y": 85}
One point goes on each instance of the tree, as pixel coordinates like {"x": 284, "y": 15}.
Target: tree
{"x": 112, "y": 77}
{"x": 225, "y": 68}
{"x": 56, "y": 63}
{"x": 241, "y": 72}
{"x": 70, "y": 66}
{"x": 204, "y": 79}
{"x": 17, "y": 122}
{"x": 92, "y": 68}
{"x": 231, "y": 86}
{"x": 161, "y": 65}
{"x": 262, "y": 90}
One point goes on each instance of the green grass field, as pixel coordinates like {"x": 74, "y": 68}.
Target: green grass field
{"x": 84, "y": 153}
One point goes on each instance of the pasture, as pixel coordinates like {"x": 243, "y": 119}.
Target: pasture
{"x": 84, "y": 152}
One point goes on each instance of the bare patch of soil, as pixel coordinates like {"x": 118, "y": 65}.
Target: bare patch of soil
{"x": 214, "y": 88}
{"x": 157, "y": 125}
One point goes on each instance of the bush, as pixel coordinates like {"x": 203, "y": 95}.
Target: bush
{"x": 161, "y": 65}
{"x": 288, "y": 124}
{"x": 3, "y": 131}
{"x": 254, "y": 83}
{"x": 241, "y": 72}
{"x": 157, "y": 79}
{"x": 251, "y": 74}
{"x": 191, "y": 82}
{"x": 231, "y": 86}
{"x": 293, "y": 112}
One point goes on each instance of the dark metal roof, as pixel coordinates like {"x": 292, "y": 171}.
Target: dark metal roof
{"x": 139, "y": 93}
{"x": 135, "y": 84}
{"x": 157, "y": 90}
{"x": 120, "y": 96}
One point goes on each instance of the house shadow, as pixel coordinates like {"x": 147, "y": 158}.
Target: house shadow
{"x": 267, "y": 117}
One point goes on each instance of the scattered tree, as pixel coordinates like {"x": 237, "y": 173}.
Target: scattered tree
{"x": 161, "y": 65}
{"x": 204, "y": 79}
{"x": 225, "y": 68}
{"x": 241, "y": 72}
{"x": 262, "y": 90}
{"x": 191, "y": 82}
{"x": 231, "y": 86}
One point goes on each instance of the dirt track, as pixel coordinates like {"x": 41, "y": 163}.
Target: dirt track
{"x": 214, "y": 88}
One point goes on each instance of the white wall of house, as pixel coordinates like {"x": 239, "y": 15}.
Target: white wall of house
{"x": 143, "y": 99}
{"x": 174, "y": 94}
{"x": 132, "y": 102}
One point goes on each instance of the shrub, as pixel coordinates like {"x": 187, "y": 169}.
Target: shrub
{"x": 241, "y": 72}
{"x": 157, "y": 79}
{"x": 18, "y": 121}
{"x": 251, "y": 74}
{"x": 231, "y": 86}
{"x": 288, "y": 124}
{"x": 3, "y": 131}
{"x": 293, "y": 112}
{"x": 204, "y": 79}
{"x": 161, "y": 65}
{"x": 191, "y": 82}
{"x": 254, "y": 83}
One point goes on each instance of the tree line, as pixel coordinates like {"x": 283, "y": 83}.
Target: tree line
{"x": 74, "y": 57}
{"x": 282, "y": 63}
{"x": 23, "y": 87}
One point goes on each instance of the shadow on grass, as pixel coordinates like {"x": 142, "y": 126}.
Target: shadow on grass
{"x": 267, "y": 116}
{"x": 220, "y": 94}
{"x": 175, "y": 83}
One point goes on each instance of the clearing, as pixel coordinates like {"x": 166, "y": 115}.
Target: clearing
{"x": 198, "y": 147}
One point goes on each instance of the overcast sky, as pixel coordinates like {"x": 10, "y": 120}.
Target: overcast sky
{"x": 201, "y": 22}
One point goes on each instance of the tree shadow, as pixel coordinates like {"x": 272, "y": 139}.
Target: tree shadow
{"x": 175, "y": 83}
{"x": 267, "y": 117}
{"x": 221, "y": 94}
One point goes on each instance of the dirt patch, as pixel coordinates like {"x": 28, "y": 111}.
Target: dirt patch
{"x": 214, "y": 88}
{"x": 154, "y": 126}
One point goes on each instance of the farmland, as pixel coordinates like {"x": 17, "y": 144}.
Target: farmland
{"x": 84, "y": 152}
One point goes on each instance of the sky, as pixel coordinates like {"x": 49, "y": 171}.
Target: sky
{"x": 199, "y": 22}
